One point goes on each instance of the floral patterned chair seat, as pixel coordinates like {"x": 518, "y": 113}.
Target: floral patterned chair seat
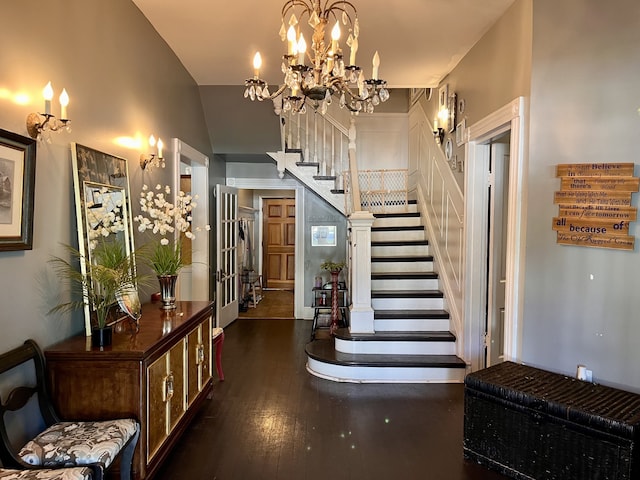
{"x": 79, "y": 443}
{"x": 95, "y": 444}
{"x": 75, "y": 473}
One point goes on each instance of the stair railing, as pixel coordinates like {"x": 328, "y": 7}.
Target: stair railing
{"x": 319, "y": 138}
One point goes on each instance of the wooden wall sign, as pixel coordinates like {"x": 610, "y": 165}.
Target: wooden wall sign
{"x": 594, "y": 205}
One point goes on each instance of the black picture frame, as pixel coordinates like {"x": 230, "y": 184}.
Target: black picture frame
{"x": 17, "y": 185}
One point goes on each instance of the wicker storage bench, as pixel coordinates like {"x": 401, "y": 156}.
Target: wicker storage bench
{"x": 528, "y": 423}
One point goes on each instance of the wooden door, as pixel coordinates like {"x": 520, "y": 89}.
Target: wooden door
{"x": 279, "y": 242}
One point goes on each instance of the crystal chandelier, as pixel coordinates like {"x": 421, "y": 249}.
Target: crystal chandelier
{"x": 314, "y": 76}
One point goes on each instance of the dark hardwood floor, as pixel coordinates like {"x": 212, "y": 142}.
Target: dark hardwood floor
{"x": 270, "y": 419}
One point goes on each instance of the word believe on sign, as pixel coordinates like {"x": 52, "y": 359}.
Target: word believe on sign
{"x": 594, "y": 205}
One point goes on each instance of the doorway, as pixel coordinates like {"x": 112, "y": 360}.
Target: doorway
{"x": 496, "y": 248}
{"x": 191, "y": 170}
{"x": 279, "y": 242}
{"x": 483, "y": 278}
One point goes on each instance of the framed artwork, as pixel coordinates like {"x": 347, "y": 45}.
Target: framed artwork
{"x": 17, "y": 184}
{"x": 323, "y": 236}
{"x": 103, "y": 203}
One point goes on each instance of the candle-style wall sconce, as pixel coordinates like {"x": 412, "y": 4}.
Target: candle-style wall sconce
{"x": 42, "y": 123}
{"x": 152, "y": 159}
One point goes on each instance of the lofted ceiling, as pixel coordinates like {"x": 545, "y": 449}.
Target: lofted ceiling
{"x": 419, "y": 43}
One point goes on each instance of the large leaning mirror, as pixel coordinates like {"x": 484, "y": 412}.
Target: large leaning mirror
{"x": 103, "y": 210}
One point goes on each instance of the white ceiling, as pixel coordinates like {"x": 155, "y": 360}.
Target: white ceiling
{"x": 419, "y": 41}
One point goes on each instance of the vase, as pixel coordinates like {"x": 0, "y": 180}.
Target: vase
{"x": 168, "y": 291}
{"x": 101, "y": 337}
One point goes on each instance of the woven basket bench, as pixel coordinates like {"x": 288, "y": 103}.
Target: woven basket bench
{"x": 528, "y": 423}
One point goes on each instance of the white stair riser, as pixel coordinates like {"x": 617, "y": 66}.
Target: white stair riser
{"x": 358, "y": 374}
{"x": 399, "y": 251}
{"x": 405, "y": 284}
{"x": 407, "y": 303}
{"x": 417, "y": 266}
{"x": 409, "y": 208}
{"x": 395, "y": 348}
{"x": 397, "y": 222}
{"x": 397, "y": 235}
{"x": 411, "y": 325}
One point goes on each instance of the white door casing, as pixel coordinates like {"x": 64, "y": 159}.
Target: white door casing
{"x": 193, "y": 282}
{"x": 512, "y": 117}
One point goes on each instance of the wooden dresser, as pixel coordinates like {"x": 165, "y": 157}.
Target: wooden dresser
{"x": 160, "y": 375}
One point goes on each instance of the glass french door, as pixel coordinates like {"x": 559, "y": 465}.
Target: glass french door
{"x": 227, "y": 281}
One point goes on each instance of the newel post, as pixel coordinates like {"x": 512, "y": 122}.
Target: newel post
{"x": 361, "y": 312}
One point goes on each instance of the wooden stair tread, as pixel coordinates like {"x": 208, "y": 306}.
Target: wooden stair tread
{"x": 345, "y": 334}
{"x": 411, "y": 258}
{"x": 324, "y": 177}
{"x": 403, "y": 275}
{"x": 308, "y": 164}
{"x": 399, "y": 228}
{"x": 397, "y": 215}
{"x": 398, "y": 243}
{"x": 410, "y": 314}
{"x": 406, "y": 294}
{"x": 337, "y": 191}
{"x": 323, "y": 350}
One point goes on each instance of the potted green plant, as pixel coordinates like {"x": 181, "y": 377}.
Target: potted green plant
{"x": 332, "y": 266}
{"x": 97, "y": 286}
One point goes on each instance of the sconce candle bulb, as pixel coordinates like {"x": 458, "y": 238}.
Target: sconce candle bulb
{"x": 40, "y": 123}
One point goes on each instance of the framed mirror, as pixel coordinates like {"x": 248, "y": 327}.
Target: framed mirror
{"x": 103, "y": 206}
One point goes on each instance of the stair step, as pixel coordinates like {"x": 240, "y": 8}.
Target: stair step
{"x": 337, "y": 191}
{"x": 406, "y": 258}
{"x": 396, "y": 343}
{"x": 308, "y": 164}
{"x": 435, "y": 336}
{"x": 410, "y": 314}
{"x": 398, "y": 243}
{"x": 435, "y": 320}
{"x": 399, "y": 220}
{"x": 406, "y": 294}
{"x": 397, "y": 215}
{"x": 324, "y": 361}
{"x": 323, "y": 349}
{"x": 399, "y": 228}
{"x": 325, "y": 177}
{"x": 403, "y": 275}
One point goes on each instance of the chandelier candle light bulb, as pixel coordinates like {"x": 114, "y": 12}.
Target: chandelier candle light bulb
{"x": 302, "y": 49}
{"x": 376, "y": 65}
{"x": 257, "y": 63}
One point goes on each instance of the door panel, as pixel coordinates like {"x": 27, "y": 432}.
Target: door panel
{"x": 227, "y": 290}
{"x": 279, "y": 242}
{"x": 496, "y": 274}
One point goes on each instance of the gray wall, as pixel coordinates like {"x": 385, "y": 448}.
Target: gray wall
{"x": 584, "y": 109}
{"x": 495, "y": 71}
{"x": 123, "y": 81}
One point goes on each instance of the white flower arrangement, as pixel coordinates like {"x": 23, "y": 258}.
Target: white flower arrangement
{"x": 161, "y": 217}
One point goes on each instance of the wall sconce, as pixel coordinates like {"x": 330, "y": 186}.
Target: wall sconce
{"x": 152, "y": 159}
{"x": 39, "y": 123}
{"x": 438, "y": 132}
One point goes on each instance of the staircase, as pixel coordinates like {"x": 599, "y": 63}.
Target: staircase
{"x": 412, "y": 340}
